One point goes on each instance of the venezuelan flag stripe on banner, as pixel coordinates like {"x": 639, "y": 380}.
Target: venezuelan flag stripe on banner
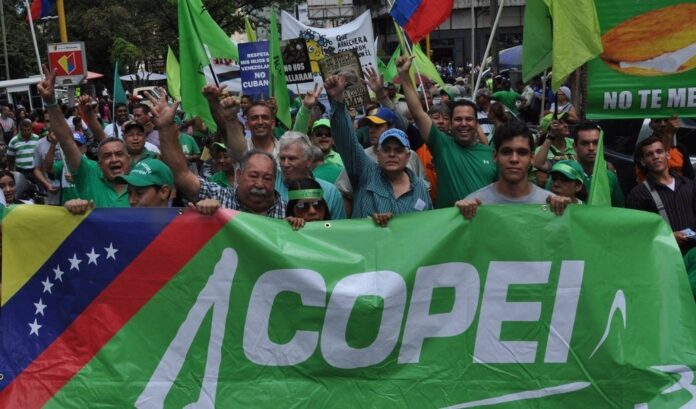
{"x": 419, "y": 17}
{"x": 41, "y": 8}
{"x": 104, "y": 271}
{"x": 516, "y": 308}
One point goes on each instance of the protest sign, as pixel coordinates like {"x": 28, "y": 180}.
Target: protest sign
{"x": 298, "y": 68}
{"x": 253, "y": 65}
{"x": 647, "y": 67}
{"x": 347, "y": 63}
{"x": 356, "y": 35}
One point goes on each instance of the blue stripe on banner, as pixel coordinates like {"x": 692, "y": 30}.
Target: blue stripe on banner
{"x": 79, "y": 270}
{"x": 46, "y": 8}
{"x": 403, "y": 10}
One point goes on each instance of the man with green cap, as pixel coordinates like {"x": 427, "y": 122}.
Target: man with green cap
{"x": 321, "y": 137}
{"x": 150, "y": 184}
{"x": 567, "y": 179}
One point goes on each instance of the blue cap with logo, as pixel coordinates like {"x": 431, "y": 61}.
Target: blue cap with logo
{"x": 397, "y": 134}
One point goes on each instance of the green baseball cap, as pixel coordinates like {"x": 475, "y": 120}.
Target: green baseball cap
{"x": 570, "y": 169}
{"x": 321, "y": 122}
{"x": 148, "y": 172}
{"x": 546, "y": 121}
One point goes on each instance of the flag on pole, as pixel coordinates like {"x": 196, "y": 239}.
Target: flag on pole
{"x": 574, "y": 37}
{"x": 173, "y": 75}
{"x": 420, "y": 17}
{"x": 119, "y": 93}
{"x": 41, "y": 8}
{"x": 200, "y": 39}
{"x": 600, "y": 193}
{"x": 251, "y": 34}
{"x": 389, "y": 71}
{"x": 426, "y": 67}
{"x": 279, "y": 87}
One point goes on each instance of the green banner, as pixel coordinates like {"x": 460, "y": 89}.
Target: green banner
{"x": 647, "y": 67}
{"x": 517, "y": 308}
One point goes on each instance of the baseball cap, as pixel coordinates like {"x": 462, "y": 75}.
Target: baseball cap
{"x": 148, "y": 172}
{"x": 546, "y": 120}
{"x": 79, "y": 138}
{"x": 396, "y": 133}
{"x": 219, "y": 146}
{"x": 570, "y": 169}
{"x": 321, "y": 122}
{"x": 132, "y": 124}
{"x": 382, "y": 116}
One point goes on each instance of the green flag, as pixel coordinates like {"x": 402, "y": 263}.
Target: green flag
{"x": 426, "y": 67}
{"x": 119, "y": 93}
{"x": 251, "y": 34}
{"x": 575, "y": 37}
{"x": 388, "y": 71}
{"x": 279, "y": 87}
{"x": 600, "y": 194}
{"x": 173, "y": 75}
{"x": 537, "y": 35}
{"x": 200, "y": 39}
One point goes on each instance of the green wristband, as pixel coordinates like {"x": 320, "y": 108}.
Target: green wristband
{"x": 51, "y": 104}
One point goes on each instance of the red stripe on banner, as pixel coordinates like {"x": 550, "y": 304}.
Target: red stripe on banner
{"x": 429, "y": 15}
{"x": 112, "y": 309}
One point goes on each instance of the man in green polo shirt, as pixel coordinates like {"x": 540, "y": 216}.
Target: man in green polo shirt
{"x": 94, "y": 180}
{"x": 463, "y": 164}
{"x": 134, "y": 136}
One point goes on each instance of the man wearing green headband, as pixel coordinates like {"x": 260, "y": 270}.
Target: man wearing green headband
{"x": 567, "y": 179}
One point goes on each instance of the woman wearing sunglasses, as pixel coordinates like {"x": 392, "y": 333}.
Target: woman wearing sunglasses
{"x": 305, "y": 203}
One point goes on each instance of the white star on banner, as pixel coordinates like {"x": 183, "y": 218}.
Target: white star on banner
{"x": 40, "y": 306}
{"x": 93, "y": 256}
{"x": 75, "y": 262}
{"x": 47, "y": 286}
{"x": 34, "y": 327}
{"x": 110, "y": 251}
{"x": 59, "y": 274}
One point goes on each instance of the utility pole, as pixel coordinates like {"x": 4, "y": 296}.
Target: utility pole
{"x": 4, "y": 39}
{"x": 495, "y": 62}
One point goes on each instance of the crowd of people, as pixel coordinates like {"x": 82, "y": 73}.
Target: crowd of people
{"x": 402, "y": 154}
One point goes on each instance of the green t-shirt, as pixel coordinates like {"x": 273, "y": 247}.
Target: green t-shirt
{"x": 508, "y": 98}
{"x": 188, "y": 145}
{"x": 220, "y": 178}
{"x": 460, "y": 170}
{"x": 92, "y": 185}
{"x": 327, "y": 171}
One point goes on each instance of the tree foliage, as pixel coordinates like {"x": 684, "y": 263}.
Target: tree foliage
{"x": 131, "y": 31}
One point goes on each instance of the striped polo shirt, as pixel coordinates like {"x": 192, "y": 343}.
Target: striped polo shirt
{"x": 23, "y": 151}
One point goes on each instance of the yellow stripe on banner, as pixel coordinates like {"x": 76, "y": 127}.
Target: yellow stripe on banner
{"x": 45, "y": 227}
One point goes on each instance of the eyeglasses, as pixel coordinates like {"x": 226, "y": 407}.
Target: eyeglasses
{"x": 304, "y": 206}
{"x": 322, "y": 134}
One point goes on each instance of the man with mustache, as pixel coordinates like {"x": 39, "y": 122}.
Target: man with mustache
{"x": 255, "y": 177}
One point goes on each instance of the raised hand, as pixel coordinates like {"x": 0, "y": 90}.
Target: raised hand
{"x": 161, "y": 114}
{"x": 211, "y": 91}
{"x": 230, "y": 108}
{"x": 85, "y": 103}
{"x": 311, "y": 97}
{"x": 46, "y": 86}
{"x": 373, "y": 80}
{"x": 334, "y": 86}
{"x": 403, "y": 64}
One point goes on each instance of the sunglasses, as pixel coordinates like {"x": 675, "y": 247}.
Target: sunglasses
{"x": 304, "y": 206}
